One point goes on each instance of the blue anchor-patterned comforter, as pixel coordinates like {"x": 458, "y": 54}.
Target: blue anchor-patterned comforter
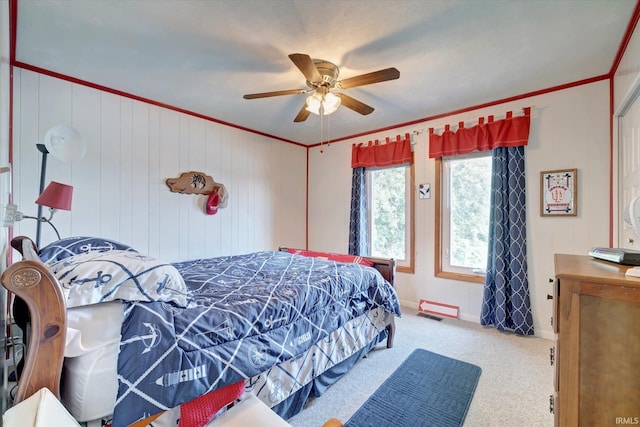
{"x": 244, "y": 314}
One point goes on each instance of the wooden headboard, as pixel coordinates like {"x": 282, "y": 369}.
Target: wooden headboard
{"x": 32, "y": 281}
{"x": 386, "y": 267}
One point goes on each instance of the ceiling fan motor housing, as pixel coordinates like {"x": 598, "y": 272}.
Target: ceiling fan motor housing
{"x": 329, "y": 73}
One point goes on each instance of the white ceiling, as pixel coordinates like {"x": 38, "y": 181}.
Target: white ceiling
{"x": 202, "y": 56}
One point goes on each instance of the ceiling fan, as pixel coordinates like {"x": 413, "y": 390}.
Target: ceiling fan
{"x": 322, "y": 77}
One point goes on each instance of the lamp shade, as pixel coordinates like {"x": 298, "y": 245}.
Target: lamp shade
{"x": 56, "y": 196}
{"x": 64, "y": 143}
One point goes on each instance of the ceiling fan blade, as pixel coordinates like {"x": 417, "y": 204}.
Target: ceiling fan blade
{"x": 369, "y": 78}
{"x": 276, "y": 93}
{"x": 302, "y": 114}
{"x": 354, "y": 104}
{"x": 306, "y": 65}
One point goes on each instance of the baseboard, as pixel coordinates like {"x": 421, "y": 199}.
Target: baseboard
{"x": 413, "y": 306}
{"x": 546, "y": 335}
{"x": 469, "y": 318}
{"x": 408, "y": 305}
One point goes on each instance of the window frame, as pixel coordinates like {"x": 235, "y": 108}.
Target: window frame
{"x": 441, "y": 223}
{"x": 406, "y": 266}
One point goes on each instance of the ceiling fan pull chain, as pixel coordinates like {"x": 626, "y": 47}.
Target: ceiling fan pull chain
{"x": 328, "y": 131}
{"x": 321, "y": 124}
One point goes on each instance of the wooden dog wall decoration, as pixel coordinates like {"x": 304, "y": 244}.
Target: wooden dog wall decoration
{"x": 200, "y": 183}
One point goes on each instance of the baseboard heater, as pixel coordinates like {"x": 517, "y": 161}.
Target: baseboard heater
{"x": 438, "y": 309}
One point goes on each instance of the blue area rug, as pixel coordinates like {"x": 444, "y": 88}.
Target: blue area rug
{"x": 427, "y": 389}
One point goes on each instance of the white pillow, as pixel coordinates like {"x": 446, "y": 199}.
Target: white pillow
{"x": 118, "y": 275}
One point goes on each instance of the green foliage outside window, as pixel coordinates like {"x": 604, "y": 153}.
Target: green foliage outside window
{"x": 470, "y": 199}
{"x": 388, "y": 218}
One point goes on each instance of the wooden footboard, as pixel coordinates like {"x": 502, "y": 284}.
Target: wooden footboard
{"x": 31, "y": 281}
{"x": 387, "y": 268}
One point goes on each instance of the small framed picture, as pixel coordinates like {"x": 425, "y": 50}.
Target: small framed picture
{"x": 424, "y": 191}
{"x": 559, "y": 192}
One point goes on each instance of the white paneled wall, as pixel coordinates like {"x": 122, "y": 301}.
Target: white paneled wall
{"x": 569, "y": 129}
{"x": 5, "y": 178}
{"x": 132, "y": 148}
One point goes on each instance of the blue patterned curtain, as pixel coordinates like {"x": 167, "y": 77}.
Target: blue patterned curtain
{"x": 505, "y": 303}
{"x": 358, "y": 239}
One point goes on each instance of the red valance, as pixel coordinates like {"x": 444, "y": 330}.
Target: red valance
{"x": 509, "y": 132}
{"x": 375, "y": 154}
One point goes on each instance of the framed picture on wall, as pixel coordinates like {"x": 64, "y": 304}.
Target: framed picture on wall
{"x": 559, "y": 192}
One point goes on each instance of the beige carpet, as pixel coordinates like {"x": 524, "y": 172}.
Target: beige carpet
{"x": 514, "y": 386}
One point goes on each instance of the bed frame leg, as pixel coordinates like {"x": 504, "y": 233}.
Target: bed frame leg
{"x": 391, "y": 330}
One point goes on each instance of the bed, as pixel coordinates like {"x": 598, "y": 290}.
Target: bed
{"x": 288, "y": 323}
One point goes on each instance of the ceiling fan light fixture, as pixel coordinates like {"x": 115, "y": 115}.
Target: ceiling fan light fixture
{"x": 330, "y": 103}
{"x": 322, "y": 76}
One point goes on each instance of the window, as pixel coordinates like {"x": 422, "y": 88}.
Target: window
{"x": 463, "y": 199}
{"x": 391, "y": 215}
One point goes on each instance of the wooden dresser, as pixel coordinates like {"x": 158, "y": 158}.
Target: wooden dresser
{"x": 596, "y": 320}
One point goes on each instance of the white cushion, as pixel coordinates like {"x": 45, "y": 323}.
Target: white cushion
{"x": 96, "y": 277}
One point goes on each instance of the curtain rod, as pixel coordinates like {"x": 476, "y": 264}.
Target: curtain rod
{"x": 481, "y": 120}
{"x": 383, "y": 141}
